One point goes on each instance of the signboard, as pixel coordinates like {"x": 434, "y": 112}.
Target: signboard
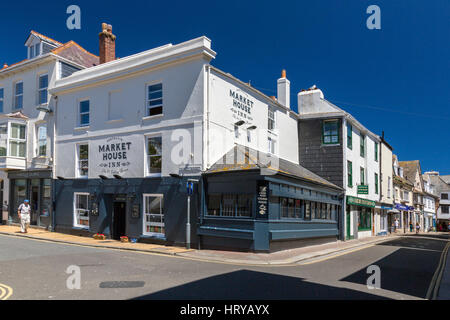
{"x": 360, "y": 202}
{"x": 189, "y": 188}
{"x": 135, "y": 211}
{"x": 363, "y": 189}
{"x": 262, "y": 199}
{"x": 399, "y": 206}
{"x": 121, "y": 155}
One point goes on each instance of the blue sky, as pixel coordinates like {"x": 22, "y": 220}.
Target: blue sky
{"x": 394, "y": 80}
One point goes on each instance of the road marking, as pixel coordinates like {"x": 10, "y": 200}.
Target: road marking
{"x": 437, "y": 276}
{"x": 5, "y": 291}
{"x": 337, "y": 255}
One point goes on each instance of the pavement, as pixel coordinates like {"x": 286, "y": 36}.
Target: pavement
{"x": 284, "y": 257}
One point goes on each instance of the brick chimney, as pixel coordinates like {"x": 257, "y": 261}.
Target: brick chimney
{"x": 107, "y": 44}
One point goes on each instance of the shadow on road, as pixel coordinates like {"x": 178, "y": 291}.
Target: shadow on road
{"x": 409, "y": 269}
{"x": 253, "y": 285}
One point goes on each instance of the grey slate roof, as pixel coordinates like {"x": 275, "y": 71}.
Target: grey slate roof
{"x": 242, "y": 158}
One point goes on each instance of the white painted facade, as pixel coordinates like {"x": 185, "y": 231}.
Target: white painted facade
{"x": 429, "y": 203}
{"x": 197, "y": 125}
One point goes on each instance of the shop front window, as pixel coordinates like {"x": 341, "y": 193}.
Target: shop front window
{"x": 154, "y": 215}
{"x": 81, "y": 210}
{"x": 46, "y": 198}
{"x": 365, "y": 219}
{"x": 230, "y": 205}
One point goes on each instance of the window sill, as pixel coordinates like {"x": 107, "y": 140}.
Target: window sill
{"x": 85, "y": 128}
{"x": 330, "y": 144}
{"x": 156, "y": 116}
{"x": 114, "y": 120}
{"x": 154, "y": 175}
{"x": 80, "y": 228}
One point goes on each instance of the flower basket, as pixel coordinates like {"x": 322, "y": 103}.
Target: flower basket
{"x": 99, "y": 236}
{"x": 124, "y": 239}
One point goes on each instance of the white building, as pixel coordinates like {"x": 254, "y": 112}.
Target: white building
{"x": 429, "y": 200}
{"x": 26, "y": 123}
{"x": 131, "y": 131}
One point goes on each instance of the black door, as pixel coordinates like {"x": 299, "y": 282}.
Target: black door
{"x": 119, "y": 220}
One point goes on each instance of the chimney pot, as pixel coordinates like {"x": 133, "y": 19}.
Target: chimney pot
{"x": 283, "y": 73}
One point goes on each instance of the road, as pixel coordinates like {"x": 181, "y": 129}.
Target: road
{"x": 37, "y": 270}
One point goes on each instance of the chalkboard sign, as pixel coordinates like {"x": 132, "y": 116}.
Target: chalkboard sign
{"x": 135, "y": 212}
{"x": 94, "y": 208}
{"x": 262, "y": 199}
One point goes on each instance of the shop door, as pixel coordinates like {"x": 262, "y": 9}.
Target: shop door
{"x": 34, "y": 201}
{"x": 119, "y": 220}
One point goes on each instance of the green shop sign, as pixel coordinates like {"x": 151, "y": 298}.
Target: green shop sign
{"x": 363, "y": 189}
{"x": 360, "y": 202}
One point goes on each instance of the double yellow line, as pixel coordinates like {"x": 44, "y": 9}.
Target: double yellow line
{"x": 5, "y": 292}
{"x": 433, "y": 289}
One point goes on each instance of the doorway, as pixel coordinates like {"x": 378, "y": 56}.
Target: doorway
{"x": 34, "y": 199}
{"x": 119, "y": 219}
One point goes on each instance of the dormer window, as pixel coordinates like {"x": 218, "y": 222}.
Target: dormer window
{"x": 34, "y": 50}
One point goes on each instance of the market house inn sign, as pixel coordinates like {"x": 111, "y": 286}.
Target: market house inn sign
{"x": 116, "y": 155}
{"x": 242, "y": 106}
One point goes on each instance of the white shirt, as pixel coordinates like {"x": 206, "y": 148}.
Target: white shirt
{"x": 24, "y": 209}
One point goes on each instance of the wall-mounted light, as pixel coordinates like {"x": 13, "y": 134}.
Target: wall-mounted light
{"x": 239, "y": 123}
{"x": 103, "y": 177}
{"x": 251, "y": 128}
{"x": 117, "y": 176}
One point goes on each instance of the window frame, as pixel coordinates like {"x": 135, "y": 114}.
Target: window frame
{"x": 349, "y": 174}
{"x": 271, "y": 121}
{"x": 362, "y": 176}
{"x": 17, "y": 140}
{"x": 80, "y": 113}
{"x": 271, "y": 145}
{"x": 16, "y": 95}
{"x": 349, "y": 136}
{"x": 148, "y": 156}
{"x": 145, "y": 214}
{"x": 38, "y": 140}
{"x": 2, "y": 99}
{"x": 362, "y": 145}
{"x": 40, "y": 89}
{"x": 148, "y": 100}
{"x": 75, "y": 212}
{"x": 376, "y": 183}
{"x": 376, "y": 151}
{"x": 336, "y": 121}
{"x": 78, "y": 161}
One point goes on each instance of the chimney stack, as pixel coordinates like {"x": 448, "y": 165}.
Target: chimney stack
{"x": 107, "y": 44}
{"x": 284, "y": 90}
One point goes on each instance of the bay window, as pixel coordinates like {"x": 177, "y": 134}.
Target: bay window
{"x": 17, "y": 140}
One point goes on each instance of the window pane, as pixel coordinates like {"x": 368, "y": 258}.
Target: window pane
{"x": 84, "y": 106}
{"x": 155, "y": 111}
{"x": 154, "y": 95}
{"x": 154, "y": 146}
{"x": 214, "y": 205}
{"x": 19, "y": 88}
{"x": 244, "y": 205}
{"x": 155, "y": 164}
{"x": 155, "y": 87}
{"x": 43, "y": 96}
{"x": 84, "y": 119}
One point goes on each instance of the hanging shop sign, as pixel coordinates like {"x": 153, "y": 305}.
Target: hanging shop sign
{"x": 360, "y": 202}
{"x": 363, "y": 189}
{"x": 262, "y": 199}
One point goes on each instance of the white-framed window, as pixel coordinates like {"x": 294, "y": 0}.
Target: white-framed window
{"x": 153, "y": 215}
{"x": 17, "y": 140}
{"x": 84, "y": 108}
{"x": 31, "y": 48}
{"x": 3, "y": 139}
{"x": 389, "y": 187}
{"x": 249, "y": 136}
{"x": 37, "y": 49}
{"x": 81, "y": 210}
{"x": 2, "y": 97}
{"x": 18, "y": 95}
{"x": 42, "y": 89}
{"x": 82, "y": 160}
{"x": 41, "y": 141}
{"x": 271, "y": 145}
{"x": 154, "y": 154}
{"x": 271, "y": 119}
{"x": 154, "y": 99}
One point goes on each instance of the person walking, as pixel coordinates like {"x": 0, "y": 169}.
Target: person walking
{"x": 417, "y": 228}
{"x": 396, "y": 224}
{"x": 24, "y": 212}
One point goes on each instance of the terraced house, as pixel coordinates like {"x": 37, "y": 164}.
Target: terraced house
{"x": 27, "y": 123}
{"x": 337, "y": 147}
